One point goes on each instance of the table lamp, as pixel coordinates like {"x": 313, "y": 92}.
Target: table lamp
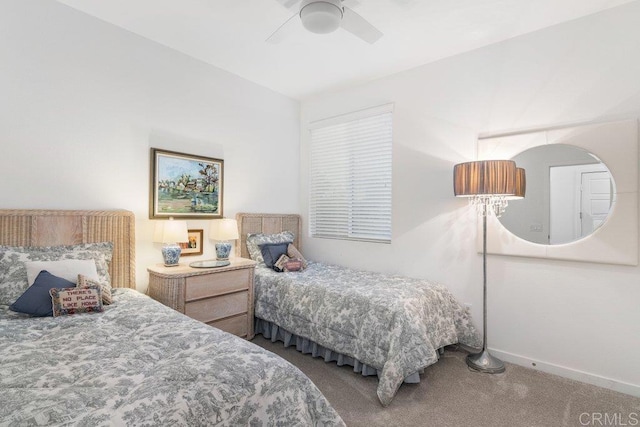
{"x": 223, "y": 230}
{"x": 170, "y": 233}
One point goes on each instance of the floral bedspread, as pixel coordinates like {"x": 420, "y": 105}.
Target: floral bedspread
{"x": 394, "y": 324}
{"x": 141, "y": 363}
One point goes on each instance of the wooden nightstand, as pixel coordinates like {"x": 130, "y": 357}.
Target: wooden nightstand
{"x": 221, "y": 297}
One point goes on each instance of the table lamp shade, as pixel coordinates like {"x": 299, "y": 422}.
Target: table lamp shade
{"x": 171, "y": 231}
{"x": 223, "y": 230}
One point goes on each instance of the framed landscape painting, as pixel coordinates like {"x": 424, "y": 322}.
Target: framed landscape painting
{"x": 185, "y": 186}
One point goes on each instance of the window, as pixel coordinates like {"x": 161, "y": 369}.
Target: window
{"x": 350, "y": 176}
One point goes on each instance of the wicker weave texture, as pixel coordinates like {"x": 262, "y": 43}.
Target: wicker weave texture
{"x": 29, "y": 227}
{"x": 252, "y": 223}
{"x": 170, "y": 291}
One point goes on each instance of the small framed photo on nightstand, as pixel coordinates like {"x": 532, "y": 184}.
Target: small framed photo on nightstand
{"x": 194, "y": 245}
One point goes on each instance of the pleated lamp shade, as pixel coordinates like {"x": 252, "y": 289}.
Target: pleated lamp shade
{"x": 486, "y": 178}
{"x": 521, "y": 185}
{"x": 521, "y": 182}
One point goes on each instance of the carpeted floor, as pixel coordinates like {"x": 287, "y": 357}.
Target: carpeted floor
{"x": 449, "y": 394}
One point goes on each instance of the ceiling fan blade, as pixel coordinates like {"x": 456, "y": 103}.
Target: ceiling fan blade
{"x": 289, "y": 4}
{"x": 283, "y": 30}
{"x": 360, "y": 27}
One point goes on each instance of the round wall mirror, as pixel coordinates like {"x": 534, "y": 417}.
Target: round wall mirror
{"x": 570, "y": 193}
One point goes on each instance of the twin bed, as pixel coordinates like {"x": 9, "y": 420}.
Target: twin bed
{"x": 138, "y": 362}
{"x": 388, "y": 326}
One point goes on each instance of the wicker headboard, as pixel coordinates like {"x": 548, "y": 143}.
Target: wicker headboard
{"x": 61, "y": 227}
{"x": 249, "y": 223}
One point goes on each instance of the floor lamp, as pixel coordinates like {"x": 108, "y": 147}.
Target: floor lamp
{"x": 489, "y": 184}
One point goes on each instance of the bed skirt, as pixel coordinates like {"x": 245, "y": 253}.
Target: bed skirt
{"x": 273, "y": 332}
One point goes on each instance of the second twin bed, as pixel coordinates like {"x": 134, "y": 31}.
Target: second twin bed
{"x": 390, "y": 326}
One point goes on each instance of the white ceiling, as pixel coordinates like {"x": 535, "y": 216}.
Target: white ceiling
{"x": 231, "y": 34}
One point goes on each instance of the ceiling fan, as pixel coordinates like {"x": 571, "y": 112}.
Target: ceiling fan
{"x": 326, "y": 16}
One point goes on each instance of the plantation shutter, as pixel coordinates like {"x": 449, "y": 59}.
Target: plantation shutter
{"x": 350, "y": 176}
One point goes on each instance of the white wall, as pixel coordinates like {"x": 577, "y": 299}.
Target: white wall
{"x": 580, "y": 320}
{"x": 82, "y": 102}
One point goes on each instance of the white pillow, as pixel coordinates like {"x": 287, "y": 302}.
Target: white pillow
{"x": 67, "y": 269}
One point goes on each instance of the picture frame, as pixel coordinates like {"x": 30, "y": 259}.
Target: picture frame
{"x": 185, "y": 186}
{"x": 194, "y": 245}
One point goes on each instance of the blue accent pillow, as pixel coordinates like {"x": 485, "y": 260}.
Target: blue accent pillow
{"x": 36, "y": 300}
{"x": 272, "y": 251}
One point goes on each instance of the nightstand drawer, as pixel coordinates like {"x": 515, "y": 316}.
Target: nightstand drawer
{"x": 221, "y": 283}
{"x": 236, "y": 325}
{"x": 208, "y": 310}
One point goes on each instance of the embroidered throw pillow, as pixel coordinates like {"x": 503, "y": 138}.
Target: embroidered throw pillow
{"x": 293, "y": 265}
{"x": 36, "y": 300}
{"x": 293, "y": 252}
{"x": 67, "y": 301}
{"x": 284, "y": 263}
{"x": 85, "y": 282}
{"x": 280, "y": 263}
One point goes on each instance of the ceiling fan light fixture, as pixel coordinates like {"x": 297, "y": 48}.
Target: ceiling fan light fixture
{"x": 321, "y": 17}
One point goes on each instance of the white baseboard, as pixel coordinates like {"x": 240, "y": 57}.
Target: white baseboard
{"x": 563, "y": 371}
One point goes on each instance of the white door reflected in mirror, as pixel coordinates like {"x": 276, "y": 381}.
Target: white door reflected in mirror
{"x": 580, "y": 197}
{"x": 570, "y": 193}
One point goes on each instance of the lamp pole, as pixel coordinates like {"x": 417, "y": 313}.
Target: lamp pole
{"x": 484, "y": 361}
